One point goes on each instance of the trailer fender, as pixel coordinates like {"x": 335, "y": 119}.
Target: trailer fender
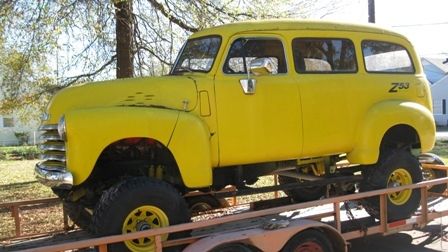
{"x": 190, "y": 146}
{"x": 90, "y": 131}
{"x": 383, "y": 116}
{"x": 268, "y": 240}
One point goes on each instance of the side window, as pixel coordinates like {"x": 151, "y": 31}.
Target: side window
{"x": 317, "y": 55}
{"x": 385, "y": 57}
{"x": 244, "y": 50}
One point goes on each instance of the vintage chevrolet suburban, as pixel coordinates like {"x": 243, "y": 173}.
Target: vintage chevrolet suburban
{"x": 242, "y": 100}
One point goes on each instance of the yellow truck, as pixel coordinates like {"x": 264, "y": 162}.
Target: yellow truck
{"x": 243, "y": 100}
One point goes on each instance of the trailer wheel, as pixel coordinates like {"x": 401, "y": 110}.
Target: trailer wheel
{"x": 138, "y": 204}
{"x": 204, "y": 203}
{"x": 398, "y": 168}
{"x": 302, "y": 194}
{"x": 429, "y": 174}
{"x": 78, "y": 214}
{"x": 235, "y": 247}
{"x": 309, "y": 240}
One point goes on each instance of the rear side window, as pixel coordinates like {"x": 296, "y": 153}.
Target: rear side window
{"x": 322, "y": 55}
{"x": 385, "y": 57}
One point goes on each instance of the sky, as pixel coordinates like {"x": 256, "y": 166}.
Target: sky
{"x": 424, "y": 22}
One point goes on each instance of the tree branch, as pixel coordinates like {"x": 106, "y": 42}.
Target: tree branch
{"x": 172, "y": 18}
{"x": 74, "y": 79}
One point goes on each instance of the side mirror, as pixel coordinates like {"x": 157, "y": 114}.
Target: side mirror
{"x": 259, "y": 66}
{"x": 262, "y": 66}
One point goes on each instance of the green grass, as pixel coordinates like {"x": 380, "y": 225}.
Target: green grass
{"x": 442, "y": 128}
{"x": 441, "y": 149}
{"x": 17, "y": 183}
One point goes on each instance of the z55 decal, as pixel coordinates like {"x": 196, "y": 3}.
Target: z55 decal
{"x": 398, "y": 86}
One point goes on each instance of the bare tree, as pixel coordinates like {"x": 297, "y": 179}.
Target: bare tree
{"x": 48, "y": 45}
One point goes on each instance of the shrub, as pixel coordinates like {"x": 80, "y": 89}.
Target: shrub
{"x": 22, "y": 137}
{"x": 19, "y": 153}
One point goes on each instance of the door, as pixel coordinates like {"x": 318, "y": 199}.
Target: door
{"x": 262, "y": 124}
{"x": 326, "y": 72}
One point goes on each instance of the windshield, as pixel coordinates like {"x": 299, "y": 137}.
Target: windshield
{"x": 197, "y": 55}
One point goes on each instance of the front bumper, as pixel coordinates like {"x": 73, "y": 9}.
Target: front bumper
{"x": 60, "y": 179}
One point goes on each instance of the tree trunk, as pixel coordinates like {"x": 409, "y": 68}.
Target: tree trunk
{"x": 123, "y": 31}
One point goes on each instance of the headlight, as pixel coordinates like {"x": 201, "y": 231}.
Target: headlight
{"x": 61, "y": 128}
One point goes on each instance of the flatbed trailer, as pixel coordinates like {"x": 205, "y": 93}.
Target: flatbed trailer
{"x": 310, "y": 225}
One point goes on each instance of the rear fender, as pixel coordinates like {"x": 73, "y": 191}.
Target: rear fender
{"x": 268, "y": 240}
{"x": 383, "y": 116}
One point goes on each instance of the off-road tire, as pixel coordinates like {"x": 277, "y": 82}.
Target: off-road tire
{"x": 302, "y": 194}
{"x": 121, "y": 199}
{"x": 377, "y": 177}
{"x": 78, "y": 214}
{"x": 202, "y": 203}
{"x": 309, "y": 240}
{"x": 440, "y": 188}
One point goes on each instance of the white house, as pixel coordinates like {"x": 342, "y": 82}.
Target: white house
{"x": 434, "y": 68}
{"x": 436, "y": 71}
{"x": 13, "y": 132}
{"x": 439, "y": 92}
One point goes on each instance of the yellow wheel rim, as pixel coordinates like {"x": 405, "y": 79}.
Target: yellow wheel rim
{"x": 144, "y": 218}
{"x": 398, "y": 178}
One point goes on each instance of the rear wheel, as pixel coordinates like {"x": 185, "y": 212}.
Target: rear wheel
{"x": 309, "y": 240}
{"x": 302, "y": 194}
{"x": 202, "y": 203}
{"x": 138, "y": 204}
{"x": 428, "y": 174}
{"x": 395, "y": 169}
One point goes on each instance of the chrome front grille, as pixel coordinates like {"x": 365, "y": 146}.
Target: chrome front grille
{"x": 53, "y": 148}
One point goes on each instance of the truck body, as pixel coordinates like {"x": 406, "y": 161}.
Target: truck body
{"x": 244, "y": 100}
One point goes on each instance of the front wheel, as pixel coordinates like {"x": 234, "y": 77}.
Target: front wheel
{"x": 138, "y": 204}
{"x": 78, "y": 214}
{"x": 395, "y": 169}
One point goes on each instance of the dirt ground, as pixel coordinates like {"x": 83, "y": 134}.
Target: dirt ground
{"x": 434, "y": 237}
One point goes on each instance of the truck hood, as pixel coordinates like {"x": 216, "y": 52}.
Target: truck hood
{"x": 170, "y": 92}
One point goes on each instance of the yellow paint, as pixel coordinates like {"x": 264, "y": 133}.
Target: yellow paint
{"x": 190, "y": 145}
{"x": 90, "y": 131}
{"x": 207, "y": 121}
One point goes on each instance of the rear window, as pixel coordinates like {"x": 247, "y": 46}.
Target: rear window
{"x": 385, "y": 57}
{"x": 323, "y": 55}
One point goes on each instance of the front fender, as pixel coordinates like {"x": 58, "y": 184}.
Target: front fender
{"x": 190, "y": 146}
{"x": 90, "y": 131}
{"x": 380, "y": 118}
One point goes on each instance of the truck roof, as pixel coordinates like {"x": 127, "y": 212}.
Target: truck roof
{"x": 292, "y": 24}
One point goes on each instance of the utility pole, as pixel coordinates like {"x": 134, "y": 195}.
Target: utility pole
{"x": 371, "y": 11}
